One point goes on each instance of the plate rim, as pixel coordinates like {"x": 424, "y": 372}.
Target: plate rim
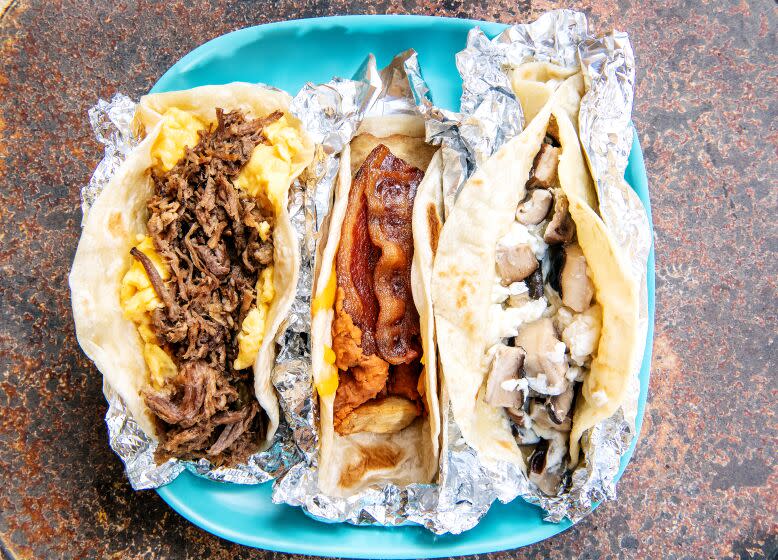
{"x": 206, "y": 47}
{"x": 638, "y": 181}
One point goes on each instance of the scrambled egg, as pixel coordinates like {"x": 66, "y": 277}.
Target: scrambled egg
{"x": 323, "y": 302}
{"x": 326, "y": 299}
{"x": 138, "y": 299}
{"x": 329, "y": 384}
{"x": 253, "y": 329}
{"x": 269, "y": 169}
{"x": 179, "y": 131}
{"x": 271, "y": 164}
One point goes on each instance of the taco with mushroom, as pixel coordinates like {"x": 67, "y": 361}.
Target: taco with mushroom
{"x": 536, "y": 311}
{"x": 187, "y": 265}
{"x": 372, "y": 334}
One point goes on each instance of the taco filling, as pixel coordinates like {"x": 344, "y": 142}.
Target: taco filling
{"x": 375, "y": 332}
{"x": 201, "y": 281}
{"x": 546, "y": 322}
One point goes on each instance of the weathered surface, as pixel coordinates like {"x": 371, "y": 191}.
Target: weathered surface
{"x": 703, "y": 481}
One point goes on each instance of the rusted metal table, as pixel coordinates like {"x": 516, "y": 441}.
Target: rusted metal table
{"x": 702, "y": 483}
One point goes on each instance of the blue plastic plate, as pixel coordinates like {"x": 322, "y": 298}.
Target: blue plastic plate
{"x": 287, "y": 55}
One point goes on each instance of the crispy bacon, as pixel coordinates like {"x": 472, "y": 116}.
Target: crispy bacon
{"x": 390, "y": 197}
{"x": 376, "y": 323}
{"x": 356, "y": 260}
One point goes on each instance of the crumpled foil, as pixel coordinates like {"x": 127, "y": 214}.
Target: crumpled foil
{"x": 111, "y": 123}
{"x": 607, "y": 62}
{"x": 331, "y": 113}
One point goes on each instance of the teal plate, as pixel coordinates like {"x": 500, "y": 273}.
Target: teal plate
{"x": 287, "y": 55}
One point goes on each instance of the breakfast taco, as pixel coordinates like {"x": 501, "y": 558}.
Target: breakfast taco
{"x": 536, "y": 312}
{"x": 372, "y": 334}
{"x": 187, "y": 265}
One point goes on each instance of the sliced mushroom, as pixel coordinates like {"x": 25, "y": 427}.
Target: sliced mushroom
{"x": 548, "y": 464}
{"x": 515, "y": 262}
{"x": 522, "y": 426}
{"x": 519, "y": 416}
{"x": 534, "y": 209}
{"x": 504, "y": 374}
{"x": 537, "y": 462}
{"x": 535, "y": 284}
{"x": 559, "y": 406}
{"x": 556, "y": 259}
{"x": 544, "y": 367}
{"x": 552, "y": 132}
{"x": 544, "y": 422}
{"x": 561, "y": 228}
{"x": 549, "y": 481}
{"x": 577, "y": 288}
{"x": 544, "y": 168}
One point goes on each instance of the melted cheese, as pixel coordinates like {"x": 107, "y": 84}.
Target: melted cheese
{"x": 329, "y": 385}
{"x": 329, "y": 355}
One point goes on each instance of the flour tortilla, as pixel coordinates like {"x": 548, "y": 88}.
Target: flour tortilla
{"x": 464, "y": 273}
{"x": 119, "y": 214}
{"x": 348, "y": 464}
{"x": 534, "y": 83}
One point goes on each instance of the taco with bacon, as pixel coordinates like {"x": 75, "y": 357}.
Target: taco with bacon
{"x": 372, "y": 335}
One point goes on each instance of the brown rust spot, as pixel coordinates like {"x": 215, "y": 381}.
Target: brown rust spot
{"x": 3, "y": 148}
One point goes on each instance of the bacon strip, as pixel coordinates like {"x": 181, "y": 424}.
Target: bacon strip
{"x": 376, "y": 323}
{"x": 390, "y": 209}
{"x": 355, "y": 262}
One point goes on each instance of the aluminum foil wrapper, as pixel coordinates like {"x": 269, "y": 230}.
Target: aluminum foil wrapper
{"x": 608, "y": 66}
{"x": 490, "y": 113}
{"x": 111, "y": 122}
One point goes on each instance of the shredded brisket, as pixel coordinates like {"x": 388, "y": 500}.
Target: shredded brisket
{"x": 207, "y": 232}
